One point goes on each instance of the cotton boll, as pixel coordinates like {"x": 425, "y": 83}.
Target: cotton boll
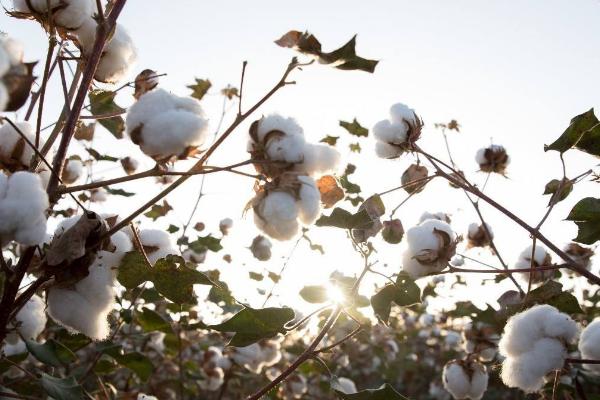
{"x": 98, "y": 195}
{"x": 194, "y": 257}
{"x": 4, "y": 60}
{"x": 401, "y": 113}
{"x": 31, "y": 319}
{"x": 276, "y": 215}
{"x": 261, "y": 248}
{"x": 215, "y": 378}
{"x": 296, "y": 386}
{"x": 589, "y": 345}
{"x": 157, "y": 244}
{"x": 270, "y": 352}
{"x": 541, "y": 257}
{"x": 398, "y": 134}
{"x": 249, "y": 357}
{"x": 386, "y": 150}
{"x": 13, "y": 50}
{"x": 318, "y": 159}
{"x": 119, "y": 56}
{"x": 11, "y": 349}
{"x": 427, "y": 252}
{"x": 166, "y": 125}
{"x": 465, "y": 380}
{"x": 142, "y": 396}
{"x": 13, "y": 148}
{"x": 276, "y": 122}
{"x": 22, "y": 209}
{"x": 492, "y": 159}
{"x": 346, "y": 385}
{"x": 309, "y": 205}
{"x": 286, "y": 148}
{"x": 72, "y": 171}
{"x": 3, "y": 96}
{"x": 69, "y": 14}
{"x": 225, "y": 225}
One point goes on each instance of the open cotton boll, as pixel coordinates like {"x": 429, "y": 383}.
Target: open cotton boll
{"x": 492, "y": 159}
{"x": 4, "y": 61}
{"x": 30, "y": 320}
{"x": 69, "y": 14}
{"x": 345, "y": 385}
{"x": 166, "y": 125}
{"x": 276, "y": 122}
{"x": 261, "y": 248}
{"x": 309, "y": 205}
{"x": 541, "y": 257}
{"x": 270, "y": 352}
{"x": 13, "y": 148}
{"x": 72, "y": 171}
{"x": 23, "y": 203}
{"x": 277, "y": 215}
{"x": 396, "y": 135}
{"x": 426, "y": 250}
{"x": 118, "y": 58}
{"x": 589, "y": 345}
{"x": 11, "y": 349}
{"x": 465, "y": 380}
{"x": 479, "y": 235}
{"x": 295, "y": 387}
{"x": 157, "y": 244}
{"x": 318, "y": 159}
{"x": 225, "y": 225}
{"x": 13, "y": 50}
{"x": 214, "y": 379}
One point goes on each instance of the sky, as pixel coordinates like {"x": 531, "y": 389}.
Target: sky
{"x": 512, "y": 73}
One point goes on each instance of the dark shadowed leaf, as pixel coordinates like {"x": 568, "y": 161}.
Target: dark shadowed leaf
{"x": 255, "y": 276}
{"x": 204, "y": 243}
{"x": 138, "y": 363}
{"x": 151, "y": 321}
{"x": 341, "y": 218}
{"x": 119, "y": 192}
{"x": 559, "y": 189}
{"x": 62, "y": 389}
{"x": 404, "y": 292}
{"x": 251, "y": 325}
{"x": 100, "y": 157}
{"x": 51, "y": 352}
{"x": 586, "y": 214}
{"x": 583, "y": 133}
{"x": 102, "y": 103}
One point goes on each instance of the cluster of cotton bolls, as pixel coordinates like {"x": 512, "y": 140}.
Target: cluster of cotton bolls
{"x": 481, "y": 340}
{"x": 213, "y": 364}
{"x": 479, "y": 235}
{"x": 492, "y": 159}
{"x": 398, "y": 133}
{"x": 465, "y": 379}
{"x": 534, "y": 344}
{"x": 290, "y": 198}
{"x": 257, "y": 356}
{"x": 589, "y": 345}
{"x": 430, "y": 245}
{"x": 84, "y": 306}
{"x": 261, "y": 248}
{"x": 23, "y": 204}
{"x": 11, "y": 59}
{"x": 30, "y": 321}
{"x": 166, "y": 125}
{"x": 157, "y": 244}
{"x": 541, "y": 258}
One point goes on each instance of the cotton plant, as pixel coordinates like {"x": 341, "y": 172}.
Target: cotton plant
{"x": 533, "y": 345}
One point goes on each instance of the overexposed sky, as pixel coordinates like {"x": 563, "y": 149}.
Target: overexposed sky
{"x": 514, "y": 72}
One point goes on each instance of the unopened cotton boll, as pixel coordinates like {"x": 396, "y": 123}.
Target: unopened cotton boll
{"x": 398, "y": 134}
{"x": 23, "y": 204}
{"x": 157, "y": 244}
{"x": 261, "y": 248}
{"x": 533, "y": 344}
{"x": 166, "y": 125}
{"x": 541, "y": 258}
{"x": 429, "y": 248}
{"x": 69, "y": 14}
{"x": 30, "y": 320}
{"x": 465, "y": 379}
{"x": 589, "y": 345}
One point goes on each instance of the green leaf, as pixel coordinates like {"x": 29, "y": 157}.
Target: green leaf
{"x": 151, "y": 321}
{"x": 255, "y": 276}
{"x": 172, "y": 228}
{"x": 314, "y": 294}
{"x": 385, "y": 392}
{"x": 138, "y": 363}
{"x": 204, "y": 243}
{"x": 51, "y": 352}
{"x": 559, "y": 189}
{"x": 62, "y": 389}
{"x": 550, "y": 293}
{"x": 158, "y": 210}
{"x": 355, "y": 128}
{"x": 586, "y": 214}
{"x": 344, "y": 58}
{"x": 172, "y": 276}
{"x": 103, "y": 103}
{"x": 119, "y": 192}
{"x": 341, "y": 218}
{"x": 330, "y": 140}
{"x": 404, "y": 292}
{"x": 251, "y": 325}
{"x": 355, "y": 147}
{"x": 200, "y": 88}
{"x": 583, "y": 133}
{"x": 566, "y": 303}
{"x": 100, "y": 157}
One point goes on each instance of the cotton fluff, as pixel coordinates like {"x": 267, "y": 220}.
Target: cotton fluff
{"x": 30, "y": 321}
{"x": 589, "y": 345}
{"x": 157, "y": 244}
{"x": 69, "y": 14}
{"x": 541, "y": 258}
{"x": 277, "y": 138}
{"x": 72, "y": 171}
{"x": 84, "y": 307}
{"x": 166, "y": 125}
{"x": 465, "y": 380}
{"x": 280, "y": 214}
{"x": 533, "y": 344}
{"x": 14, "y": 150}
{"x": 398, "y": 133}
{"x": 23, "y": 203}
{"x": 430, "y": 246}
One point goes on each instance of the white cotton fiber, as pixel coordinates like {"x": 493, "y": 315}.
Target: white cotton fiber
{"x": 9, "y": 137}
{"x": 392, "y": 134}
{"x": 345, "y": 385}
{"x": 3, "y": 96}
{"x": 164, "y": 124}
{"x": 72, "y": 171}
{"x": 30, "y": 320}
{"x": 424, "y": 252}
{"x": 157, "y": 244}
{"x": 277, "y": 215}
{"x": 589, "y": 345}
{"x": 533, "y": 344}
{"x": 540, "y": 258}
{"x": 319, "y": 159}
{"x": 118, "y": 58}
{"x": 69, "y": 14}
{"x": 465, "y": 381}
{"x": 309, "y": 205}
{"x": 23, "y": 204}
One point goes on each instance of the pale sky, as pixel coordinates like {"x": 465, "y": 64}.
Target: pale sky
{"x": 511, "y": 71}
